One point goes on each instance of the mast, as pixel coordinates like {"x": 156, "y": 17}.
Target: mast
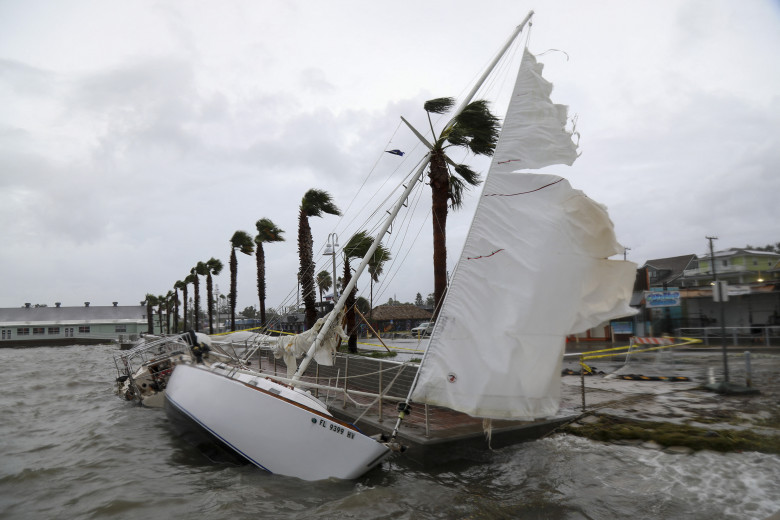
{"x": 394, "y": 212}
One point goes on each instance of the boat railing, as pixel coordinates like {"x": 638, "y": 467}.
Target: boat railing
{"x": 128, "y": 361}
{"x": 366, "y": 391}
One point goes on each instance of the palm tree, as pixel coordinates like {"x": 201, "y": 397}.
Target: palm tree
{"x": 150, "y": 300}
{"x": 169, "y": 301}
{"x": 160, "y": 304}
{"x": 358, "y": 247}
{"x": 243, "y": 242}
{"x": 199, "y": 270}
{"x": 179, "y": 285}
{"x": 189, "y": 279}
{"x": 267, "y": 231}
{"x": 375, "y": 268}
{"x": 213, "y": 268}
{"x": 477, "y": 129}
{"x": 314, "y": 204}
{"x": 324, "y": 281}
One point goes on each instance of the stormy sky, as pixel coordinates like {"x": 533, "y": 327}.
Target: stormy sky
{"x": 136, "y": 137}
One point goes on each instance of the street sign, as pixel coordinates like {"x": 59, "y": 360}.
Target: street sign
{"x": 654, "y": 299}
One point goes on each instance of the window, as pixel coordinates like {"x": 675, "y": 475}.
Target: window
{"x": 8, "y": 332}
{"x": 121, "y": 328}
{"x": 83, "y": 330}
{"x": 39, "y": 330}
{"x": 23, "y": 331}
{"x": 54, "y": 330}
{"x": 725, "y": 263}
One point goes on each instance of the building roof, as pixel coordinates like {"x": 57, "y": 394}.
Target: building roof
{"x": 670, "y": 269}
{"x": 400, "y": 312}
{"x": 92, "y": 314}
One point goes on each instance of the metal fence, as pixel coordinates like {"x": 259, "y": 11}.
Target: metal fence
{"x": 736, "y": 336}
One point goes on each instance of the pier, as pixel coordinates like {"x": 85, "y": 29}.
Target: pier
{"x": 433, "y": 435}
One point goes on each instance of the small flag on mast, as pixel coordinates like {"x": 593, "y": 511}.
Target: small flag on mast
{"x": 395, "y": 152}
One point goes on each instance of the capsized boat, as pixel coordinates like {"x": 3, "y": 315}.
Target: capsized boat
{"x": 535, "y": 266}
{"x": 278, "y": 427}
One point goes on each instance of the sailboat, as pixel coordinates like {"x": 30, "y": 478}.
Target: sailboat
{"x": 534, "y": 266}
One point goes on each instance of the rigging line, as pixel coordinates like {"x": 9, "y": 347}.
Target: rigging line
{"x": 391, "y": 195}
{"x": 395, "y": 236}
{"x": 404, "y": 222}
{"x": 504, "y": 71}
{"x": 553, "y": 50}
{"x": 499, "y": 74}
{"x": 372, "y": 170}
{"x": 396, "y": 263}
{"x": 390, "y": 244}
{"x": 392, "y": 274}
{"x": 381, "y": 287}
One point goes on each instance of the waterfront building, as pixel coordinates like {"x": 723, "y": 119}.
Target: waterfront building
{"x": 31, "y": 325}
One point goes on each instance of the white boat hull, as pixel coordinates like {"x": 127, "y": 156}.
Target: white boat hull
{"x": 275, "y": 427}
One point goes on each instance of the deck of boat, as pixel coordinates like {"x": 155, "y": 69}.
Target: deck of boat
{"x": 431, "y": 434}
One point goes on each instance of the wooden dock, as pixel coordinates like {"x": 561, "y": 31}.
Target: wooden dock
{"x": 431, "y": 434}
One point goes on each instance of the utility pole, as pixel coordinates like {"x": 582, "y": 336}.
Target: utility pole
{"x": 717, "y": 288}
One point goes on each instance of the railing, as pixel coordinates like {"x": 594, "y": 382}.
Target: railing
{"x": 721, "y": 270}
{"x": 364, "y": 387}
{"x": 756, "y": 335}
{"x": 128, "y": 361}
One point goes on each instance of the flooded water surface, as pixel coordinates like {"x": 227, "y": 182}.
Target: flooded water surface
{"x": 72, "y": 449}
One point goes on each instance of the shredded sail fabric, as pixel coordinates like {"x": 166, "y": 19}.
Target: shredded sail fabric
{"x": 534, "y": 133}
{"x": 533, "y": 270}
{"x": 292, "y": 347}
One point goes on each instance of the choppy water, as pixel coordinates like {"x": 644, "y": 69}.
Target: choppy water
{"x": 71, "y": 449}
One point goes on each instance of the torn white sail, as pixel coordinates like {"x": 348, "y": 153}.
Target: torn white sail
{"x": 534, "y": 133}
{"x": 533, "y": 270}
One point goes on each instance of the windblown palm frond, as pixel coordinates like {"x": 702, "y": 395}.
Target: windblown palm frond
{"x": 316, "y": 202}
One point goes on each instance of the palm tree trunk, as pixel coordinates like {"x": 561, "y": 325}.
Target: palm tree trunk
{"x": 232, "y": 295}
{"x": 159, "y": 316}
{"x": 176, "y": 310}
{"x": 440, "y": 196}
{"x": 306, "y": 273}
{"x": 196, "y": 318}
{"x": 149, "y": 318}
{"x": 168, "y": 316}
{"x": 184, "y": 295}
{"x": 350, "y": 314}
{"x": 260, "y": 255}
{"x": 210, "y": 301}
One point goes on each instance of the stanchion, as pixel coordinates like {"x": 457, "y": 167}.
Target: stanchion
{"x": 582, "y": 382}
